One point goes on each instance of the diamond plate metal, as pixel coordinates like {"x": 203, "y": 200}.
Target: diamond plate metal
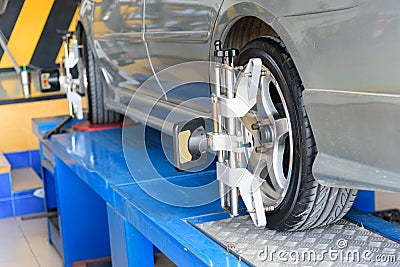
{"x": 353, "y": 245}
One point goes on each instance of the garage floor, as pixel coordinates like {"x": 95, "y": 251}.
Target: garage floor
{"x": 25, "y": 244}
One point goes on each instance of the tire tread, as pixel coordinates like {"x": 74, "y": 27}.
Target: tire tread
{"x": 98, "y": 114}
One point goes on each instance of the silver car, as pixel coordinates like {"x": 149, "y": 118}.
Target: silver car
{"x": 321, "y": 122}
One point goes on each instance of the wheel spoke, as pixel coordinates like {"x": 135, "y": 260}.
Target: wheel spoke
{"x": 267, "y": 103}
{"x": 276, "y": 171}
{"x": 269, "y": 191}
{"x": 261, "y": 112}
{"x": 266, "y": 166}
{"x": 255, "y": 160}
{"x": 281, "y": 128}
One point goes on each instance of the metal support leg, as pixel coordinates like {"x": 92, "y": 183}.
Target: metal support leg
{"x": 225, "y": 81}
{"x": 223, "y": 189}
{"x": 116, "y": 224}
{"x": 234, "y": 98}
{"x": 140, "y": 249}
{"x": 91, "y": 239}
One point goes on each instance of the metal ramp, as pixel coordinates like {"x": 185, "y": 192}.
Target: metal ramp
{"x": 342, "y": 244}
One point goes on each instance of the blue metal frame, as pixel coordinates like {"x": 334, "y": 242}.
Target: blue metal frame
{"x": 96, "y": 190}
{"x": 375, "y": 224}
{"x": 83, "y": 214}
{"x": 117, "y": 237}
{"x": 47, "y": 170}
{"x": 365, "y": 201}
{"x": 90, "y": 168}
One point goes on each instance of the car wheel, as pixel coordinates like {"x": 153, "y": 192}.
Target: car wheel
{"x": 90, "y": 77}
{"x": 293, "y": 198}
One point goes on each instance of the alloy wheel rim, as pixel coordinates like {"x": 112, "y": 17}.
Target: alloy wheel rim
{"x": 271, "y": 155}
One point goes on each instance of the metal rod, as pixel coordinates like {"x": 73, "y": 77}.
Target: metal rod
{"x": 10, "y": 56}
{"x": 214, "y": 101}
{"x": 230, "y": 122}
{"x": 223, "y": 189}
{"x": 235, "y": 201}
{"x": 40, "y": 215}
{"x": 66, "y": 53}
{"x": 231, "y": 129}
{"x": 57, "y": 128}
{"x": 61, "y": 67}
{"x": 218, "y": 129}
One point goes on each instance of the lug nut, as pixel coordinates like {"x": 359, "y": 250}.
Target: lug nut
{"x": 246, "y": 145}
{"x": 255, "y": 126}
{"x": 264, "y": 148}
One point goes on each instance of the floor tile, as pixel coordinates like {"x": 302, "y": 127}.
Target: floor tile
{"x": 32, "y": 228}
{"x": 41, "y": 247}
{"x": 10, "y": 230}
{"x": 25, "y": 244}
{"x": 20, "y": 263}
{"x": 16, "y": 249}
{"x": 51, "y": 260}
{"x": 7, "y": 223}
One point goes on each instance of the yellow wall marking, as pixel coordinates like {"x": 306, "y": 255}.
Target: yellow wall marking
{"x": 4, "y": 165}
{"x": 10, "y": 86}
{"x": 27, "y": 31}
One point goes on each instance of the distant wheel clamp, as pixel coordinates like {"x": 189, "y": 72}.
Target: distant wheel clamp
{"x": 90, "y": 77}
{"x": 293, "y": 198}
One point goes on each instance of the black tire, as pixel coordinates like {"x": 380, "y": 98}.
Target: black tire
{"x": 97, "y": 113}
{"x": 306, "y": 204}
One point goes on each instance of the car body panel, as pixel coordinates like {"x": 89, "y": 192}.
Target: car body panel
{"x": 345, "y": 52}
{"x": 117, "y": 37}
{"x": 348, "y": 61}
{"x": 179, "y": 31}
{"x": 357, "y": 138}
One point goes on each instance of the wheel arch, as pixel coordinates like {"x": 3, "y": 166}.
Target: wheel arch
{"x": 79, "y": 30}
{"x": 245, "y": 30}
{"x": 249, "y": 21}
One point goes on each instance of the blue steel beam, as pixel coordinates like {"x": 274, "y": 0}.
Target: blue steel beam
{"x": 96, "y": 158}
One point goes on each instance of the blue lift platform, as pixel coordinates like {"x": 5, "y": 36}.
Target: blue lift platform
{"x": 104, "y": 209}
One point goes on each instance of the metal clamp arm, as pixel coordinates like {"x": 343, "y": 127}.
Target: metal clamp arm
{"x": 246, "y": 93}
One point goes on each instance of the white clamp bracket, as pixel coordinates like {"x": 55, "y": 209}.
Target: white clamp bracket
{"x": 246, "y": 92}
{"x": 233, "y": 99}
{"x": 75, "y": 101}
{"x": 249, "y": 187}
{"x": 68, "y": 84}
{"x": 225, "y": 142}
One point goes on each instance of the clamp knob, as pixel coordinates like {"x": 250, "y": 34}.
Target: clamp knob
{"x": 221, "y": 53}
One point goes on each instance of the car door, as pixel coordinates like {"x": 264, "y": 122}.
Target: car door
{"x": 179, "y": 31}
{"x": 118, "y": 41}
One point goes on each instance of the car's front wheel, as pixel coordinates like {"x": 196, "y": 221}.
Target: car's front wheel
{"x": 90, "y": 77}
{"x": 291, "y": 194}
